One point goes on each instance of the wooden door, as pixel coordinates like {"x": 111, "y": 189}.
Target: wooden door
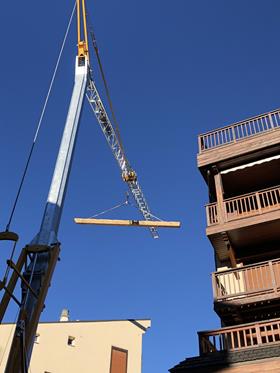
{"x": 118, "y": 360}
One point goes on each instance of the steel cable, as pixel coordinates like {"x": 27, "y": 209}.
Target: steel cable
{"x": 95, "y": 47}
{"x": 9, "y": 337}
{"x": 40, "y": 120}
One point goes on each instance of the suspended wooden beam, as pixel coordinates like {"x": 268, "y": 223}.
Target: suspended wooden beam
{"x": 128, "y": 223}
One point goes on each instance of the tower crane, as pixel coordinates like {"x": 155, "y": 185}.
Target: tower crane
{"x": 37, "y": 260}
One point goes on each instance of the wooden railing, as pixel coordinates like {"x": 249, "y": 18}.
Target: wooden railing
{"x": 212, "y": 214}
{"x": 252, "y": 203}
{"x": 250, "y": 280}
{"x": 241, "y": 337}
{"x": 246, "y": 205}
{"x": 239, "y": 131}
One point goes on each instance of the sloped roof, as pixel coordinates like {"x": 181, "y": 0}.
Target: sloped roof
{"x": 215, "y": 361}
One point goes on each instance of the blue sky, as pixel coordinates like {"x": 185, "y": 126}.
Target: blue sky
{"x": 175, "y": 69}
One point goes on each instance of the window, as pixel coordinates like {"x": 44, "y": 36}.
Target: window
{"x": 37, "y": 338}
{"x": 71, "y": 341}
{"x": 118, "y": 360}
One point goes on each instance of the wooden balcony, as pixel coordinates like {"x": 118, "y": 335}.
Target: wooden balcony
{"x": 239, "y": 139}
{"x": 247, "y": 293}
{"x": 241, "y": 285}
{"x": 244, "y": 336}
{"x": 245, "y": 206}
{"x": 212, "y": 214}
{"x": 249, "y": 220}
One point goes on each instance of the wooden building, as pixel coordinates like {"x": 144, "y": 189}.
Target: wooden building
{"x": 241, "y": 165}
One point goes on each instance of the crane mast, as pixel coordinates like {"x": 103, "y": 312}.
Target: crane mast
{"x": 41, "y": 255}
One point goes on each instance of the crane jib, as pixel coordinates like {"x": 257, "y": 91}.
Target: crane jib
{"x": 117, "y": 150}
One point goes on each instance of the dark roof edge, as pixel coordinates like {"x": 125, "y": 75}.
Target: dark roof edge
{"x": 83, "y": 321}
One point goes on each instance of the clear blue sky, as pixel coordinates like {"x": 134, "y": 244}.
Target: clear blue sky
{"x": 175, "y": 69}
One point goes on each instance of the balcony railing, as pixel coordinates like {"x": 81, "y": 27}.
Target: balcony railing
{"x": 241, "y": 337}
{"x": 252, "y": 204}
{"x": 239, "y": 131}
{"x": 212, "y": 214}
{"x": 247, "y": 281}
{"x": 245, "y": 206}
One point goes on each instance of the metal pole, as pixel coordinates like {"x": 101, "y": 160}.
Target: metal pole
{"x": 45, "y": 246}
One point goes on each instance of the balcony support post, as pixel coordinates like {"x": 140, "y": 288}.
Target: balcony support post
{"x": 272, "y": 276}
{"x": 271, "y": 121}
{"x": 231, "y": 252}
{"x": 258, "y": 333}
{"x": 200, "y": 343}
{"x": 214, "y": 286}
{"x": 259, "y": 203}
{"x": 220, "y": 198}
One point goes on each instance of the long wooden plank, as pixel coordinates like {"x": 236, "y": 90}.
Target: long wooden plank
{"x": 127, "y": 223}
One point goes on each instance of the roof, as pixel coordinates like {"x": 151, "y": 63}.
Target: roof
{"x": 223, "y": 359}
{"x": 143, "y": 324}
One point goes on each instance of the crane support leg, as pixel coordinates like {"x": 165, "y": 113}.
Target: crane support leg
{"x": 11, "y": 285}
{"x": 26, "y": 325}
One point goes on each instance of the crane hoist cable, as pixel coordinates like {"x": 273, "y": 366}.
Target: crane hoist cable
{"x": 8, "y": 340}
{"x": 7, "y": 235}
{"x": 104, "y": 80}
{"x": 125, "y": 203}
{"x": 37, "y": 260}
{"x": 40, "y": 121}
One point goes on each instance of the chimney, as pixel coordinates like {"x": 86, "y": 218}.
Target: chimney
{"x": 64, "y": 315}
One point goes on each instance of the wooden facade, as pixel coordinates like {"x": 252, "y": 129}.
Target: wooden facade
{"x": 240, "y": 164}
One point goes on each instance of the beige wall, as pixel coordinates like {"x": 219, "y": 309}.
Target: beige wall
{"x": 269, "y": 366}
{"x": 232, "y": 283}
{"x": 92, "y": 350}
